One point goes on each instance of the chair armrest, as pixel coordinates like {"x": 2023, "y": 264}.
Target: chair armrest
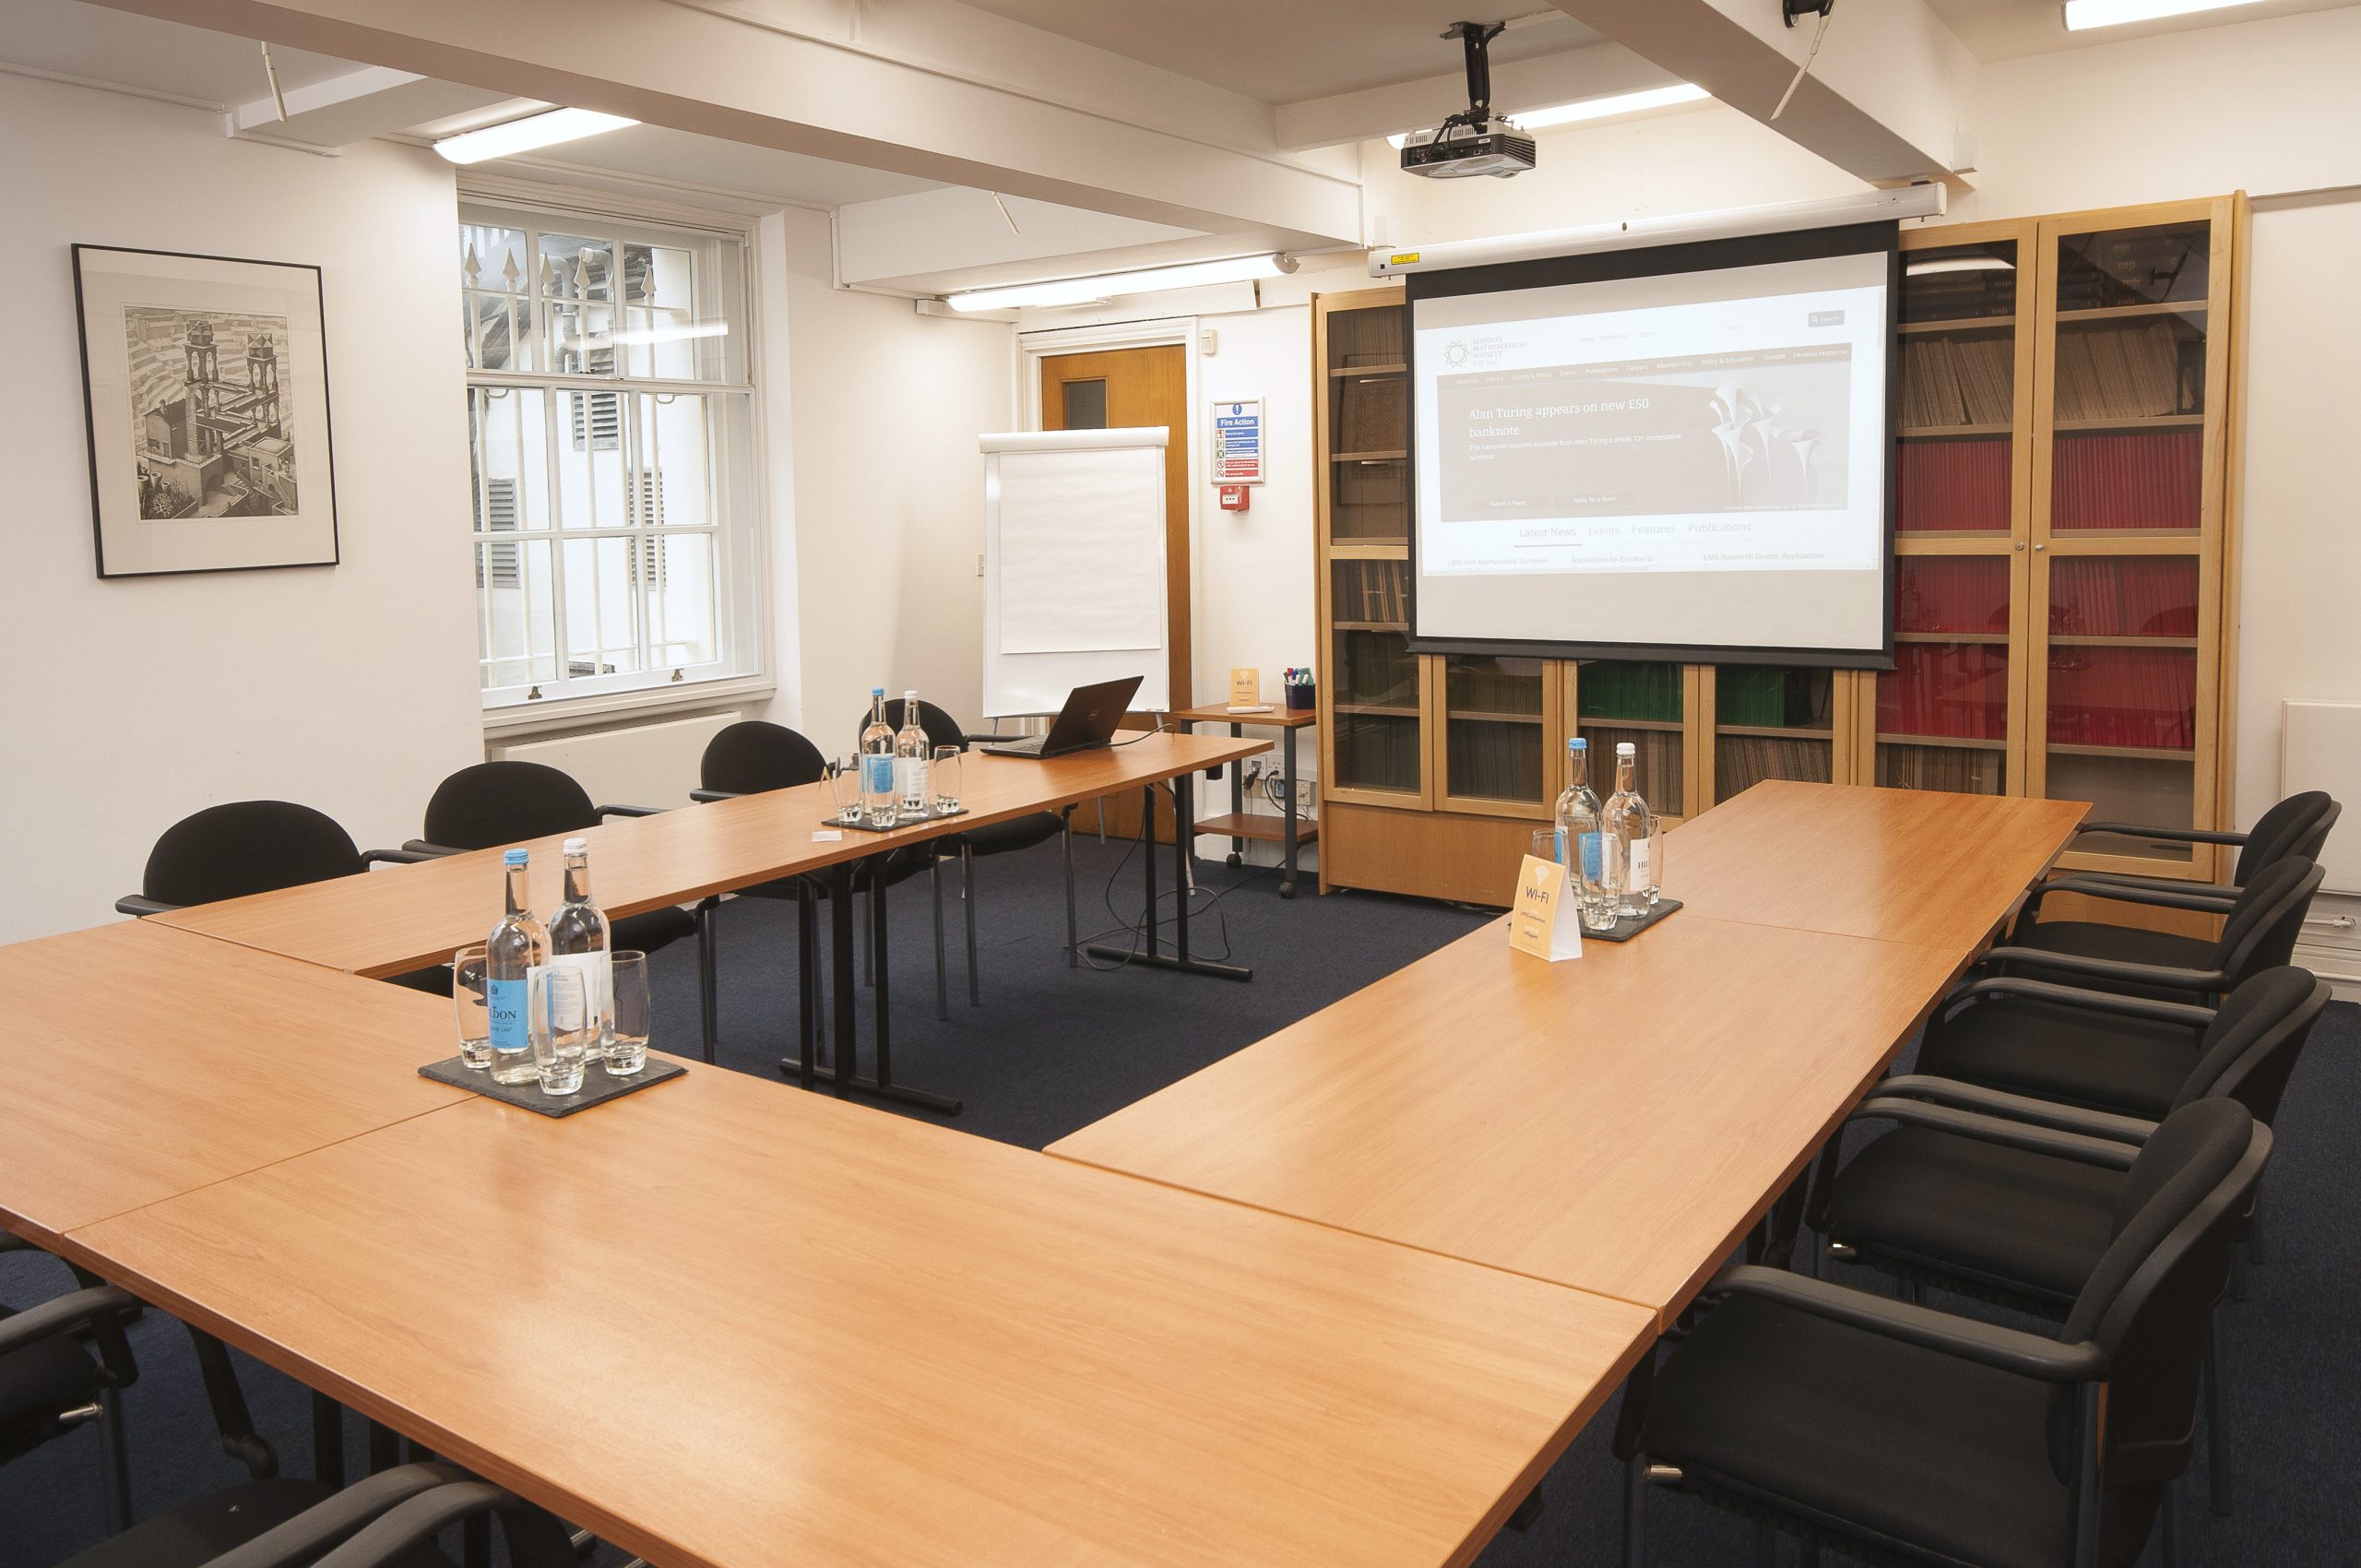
{"x": 2122, "y": 1006}
{"x": 630, "y": 811}
{"x": 74, "y": 1311}
{"x": 2174, "y": 835}
{"x": 2123, "y": 972}
{"x": 2017, "y": 1106}
{"x": 702, "y": 795}
{"x": 2155, "y": 897}
{"x": 2228, "y": 896}
{"x": 395, "y": 857}
{"x": 133, "y": 904}
{"x": 427, "y": 850}
{"x": 2009, "y": 1349}
{"x": 329, "y": 1524}
{"x": 2056, "y": 1143}
{"x": 534, "y": 1539}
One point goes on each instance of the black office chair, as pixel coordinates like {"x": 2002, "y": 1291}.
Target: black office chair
{"x": 389, "y": 1520}
{"x": 2258, "y": 931}
{"x": 246, "y": 847}
{"x": 751, "y": 756}
{"x": 2296, "y": 828}
{"x": 65, "y": 1362}
{"x": 1897, "y": 1433}
{"x": 494, "y": 803}
{"x": 1005, "y": 837}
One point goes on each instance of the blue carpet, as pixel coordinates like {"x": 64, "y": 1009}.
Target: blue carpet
{"x": 1052, "y": 1050}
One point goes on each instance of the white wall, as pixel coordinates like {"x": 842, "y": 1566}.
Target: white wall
{"x": 351, "y": 688}
{"x": 888, "y": 493}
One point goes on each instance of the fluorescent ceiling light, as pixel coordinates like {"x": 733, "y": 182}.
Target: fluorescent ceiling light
{"x": 1594, "y": 108}
{"x": 2082, "y": 14}
{"x": 523, "y": 136}
{"x": 1109, "y": 285}
{"x": 1959, "y": 264}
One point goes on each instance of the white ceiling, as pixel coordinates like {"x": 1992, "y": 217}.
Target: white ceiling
{"x": 65, "y": 38}
{"x": 1280, "y": 51}
{"x": 2003, "y": 29}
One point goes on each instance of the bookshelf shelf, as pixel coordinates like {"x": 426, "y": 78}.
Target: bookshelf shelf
{"x": 1371, "y": 626}
{"x": 1949, "y": 432}
{"x": 2131, "y": 754}
{"x": 2069, "y": 314}
{"x": 2133, "y": 422}
{"x": 1777, "y": 732}
{"x": 1376, "y": 710}
{"x": 1956, "y": 742}
{"x": 1394, "y": 456}
{"x": 1343, "y": 370}
{"x": 1611, "y": 722}
{"x": 2059, "y": 639}
{"x": 1991, "y": 639}
{"x": 1477, "y": 715}
{"x": 1963, "y": 324}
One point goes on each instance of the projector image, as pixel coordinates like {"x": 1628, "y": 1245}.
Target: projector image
{"x": 1474, "y": 141}
{"x": 1460, "y": 151}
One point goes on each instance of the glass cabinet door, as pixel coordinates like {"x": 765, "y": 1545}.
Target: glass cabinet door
{"x": 1375, "y": 679}
{"x": 1645, "y": 704}
{"x": 1496, "y": 717}
{"x": 1773, "y": 721}
{"x": 2127, "y": 529}
{"x": 1947, "y": 716}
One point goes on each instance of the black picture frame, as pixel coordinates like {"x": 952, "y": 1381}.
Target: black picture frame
{"x": 275, "y": 490}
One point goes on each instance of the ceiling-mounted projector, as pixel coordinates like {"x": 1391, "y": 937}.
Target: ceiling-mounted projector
{"x": 1474, "y": 141}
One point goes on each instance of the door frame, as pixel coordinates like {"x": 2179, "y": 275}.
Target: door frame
{"x": 1050, "y": 342}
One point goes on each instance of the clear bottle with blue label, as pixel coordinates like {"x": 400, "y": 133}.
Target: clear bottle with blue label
{"x": 880, "y": 803}
{"x": 1581, "y": 845}
{"x": 517, "y": 946}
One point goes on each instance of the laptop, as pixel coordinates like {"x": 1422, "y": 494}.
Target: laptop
{"x": 1087, "y": 722}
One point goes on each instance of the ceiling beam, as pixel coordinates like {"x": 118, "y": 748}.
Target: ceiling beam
{"x": 748, "y": 77}
{"x": 1541, "y": 82}
{"x": 1889, "y": 99}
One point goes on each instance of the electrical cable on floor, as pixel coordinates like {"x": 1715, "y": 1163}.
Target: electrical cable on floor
{"x": 1137, "y": 929}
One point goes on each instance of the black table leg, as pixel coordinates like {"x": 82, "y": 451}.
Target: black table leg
{"x": 1237, "y": 798}
{"x": 1184, "y": 831}
{"x": 327, "y": 1442}
{"x": 1286, "y": 764}
{"x": 843, "y": 1072}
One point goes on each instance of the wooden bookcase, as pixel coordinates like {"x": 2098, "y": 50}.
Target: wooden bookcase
{"x": 2064, "y": 541}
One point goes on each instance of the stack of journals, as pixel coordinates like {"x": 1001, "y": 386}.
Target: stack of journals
{"x": 1966, "y": 594}
{"x": 2123, "y": 696}
{"x": 1953, "y": 486}
{"x": 2124, "y": 370}
{"x": 1958, "y": 691}
{"x": 1493, "y": 685}
{"x": 1376, "y": 669}
{"x": 1956, "y": 769}
{"x": 1371, "y": 501}
{"x": 1371, "y": 591}
{"x": 1656, "y": 754}
{"x": 1612, "y": 689}
{"x": 1377, "y": 753}
{"x": 2123, "y": 596}
{"x": 1495, "y": 761}
{"x": 2144, "y": 480}
{"x": 1742, "y": 760}
{"x": 1948, "y": 381}
{"x": 1373, "y": 415}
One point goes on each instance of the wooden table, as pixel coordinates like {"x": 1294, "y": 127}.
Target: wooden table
{"x": 721, "y": 1323}
{"x": 144, "y": 1062}
{"x": 403, "y": 918}
{"x": 1618, "y": 1122}
{"x": 1288, "y": 831}
{"x": 1901, "y": 865}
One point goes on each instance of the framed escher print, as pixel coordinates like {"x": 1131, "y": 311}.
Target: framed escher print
{"x": 205, "y": 386}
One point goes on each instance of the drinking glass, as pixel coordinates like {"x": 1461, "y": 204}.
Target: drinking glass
{"x": 1545, "y": 845}
{"x": 470, "y": 975}
{"x": 563, "y": 1025}
{"x": 627, "y": 1050}
{"x": 844, "y": 786}
{"x": 947, "y": 778}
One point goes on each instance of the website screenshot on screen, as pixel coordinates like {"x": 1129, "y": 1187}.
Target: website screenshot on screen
{"x": 1736, "y": 426}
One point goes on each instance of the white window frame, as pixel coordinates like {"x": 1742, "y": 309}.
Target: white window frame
{"x": 742, "y": 600}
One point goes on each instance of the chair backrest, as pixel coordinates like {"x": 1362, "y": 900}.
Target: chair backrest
{"x": 2251, "y": 1048}
{"x": 2260, "y": 929}
{"x": 2147, "y": 1301}
{"x": 753, "y": 755}
{"x": 942, "y": 730}
{"x": 2295, "y": 828}
{"x": 228, "y": 852}
{"x": 502, "y": 802}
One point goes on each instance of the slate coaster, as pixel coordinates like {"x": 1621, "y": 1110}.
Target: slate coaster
{"x": 862, "y": 826}
{"x": 1625, "y": 930}
{"x": 598, "y": 1086}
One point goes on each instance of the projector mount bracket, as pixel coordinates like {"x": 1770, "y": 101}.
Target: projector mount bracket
{"x": 1476, "y": 38}
{"x": 1791, "y": 9}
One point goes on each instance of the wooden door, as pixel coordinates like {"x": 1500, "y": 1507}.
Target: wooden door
{"x": 1123, "y": 389}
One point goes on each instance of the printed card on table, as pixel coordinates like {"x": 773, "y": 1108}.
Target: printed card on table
{"x": 1544, "y": 921}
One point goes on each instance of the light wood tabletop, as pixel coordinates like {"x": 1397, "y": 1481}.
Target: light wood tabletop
{"x": 1278, "y": 716}
{"x": 402, "y": 918}
{"x": 1901, "y": 865}
{"x": 723, "y": 1323}
{"x": 1613, "y": 1122}
{"x": 144, "y": 1062}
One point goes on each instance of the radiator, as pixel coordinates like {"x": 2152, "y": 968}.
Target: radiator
{"x": 630, "y": 765}
{"x": 2320, "y": 748}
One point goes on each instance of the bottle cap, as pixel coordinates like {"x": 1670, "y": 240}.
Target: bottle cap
{"x": 910, "y": 696}
{"x": 1625, "y": 748}
{"x": 518, "y": 857}
{"x": 578, "y": 846}
{"x": 1576, "y": 744}
{"x": 877, "y": 691}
